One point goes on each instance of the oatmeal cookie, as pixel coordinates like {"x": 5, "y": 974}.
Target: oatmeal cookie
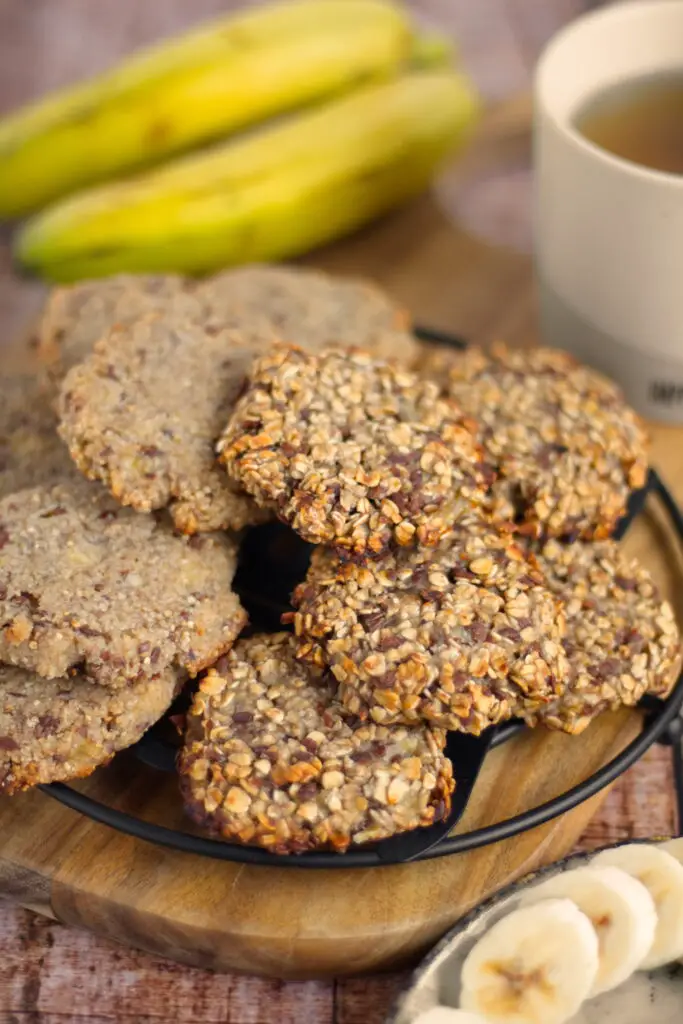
{"x": 622, "y": 640}
{"x": 59, "y": 729}
{"x": 271, "y": 760}
{"x": 435, "y": 362}
{"x": 31, "y": 451}
{"x": 325, "y": 564}
{"x": 310, "y": 308}
{"x": 85, "y": 583}
{"x": 351, "y": 451}
{"x": 567, "y": 448}
{"x": 143, "y": 412}
{"x": 461, "y": 636}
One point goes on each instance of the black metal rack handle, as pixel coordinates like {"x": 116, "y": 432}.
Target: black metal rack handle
{"x": 674, "y": 733}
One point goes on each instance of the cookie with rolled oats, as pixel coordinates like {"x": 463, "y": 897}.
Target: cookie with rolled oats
{"x": 435, "y": 362}
{"x": 567, "y": 448}
{"x": 351, "y": 451}
{"x": 52, "y": 730}
{"x": 271, "y": 760}
{"x": 460, "y": 636}
{"x": 87, "y": 584}
{"x": 622, "y": 640}
{"x": 325, "y": 563}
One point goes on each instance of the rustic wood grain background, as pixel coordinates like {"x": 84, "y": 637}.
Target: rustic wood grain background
{"x": 53, "y": 975}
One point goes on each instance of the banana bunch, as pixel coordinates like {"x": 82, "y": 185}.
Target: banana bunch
{"x": 273, "y": 195}
{"x": 222, "y": 77}
{"x": 367, "y": 110}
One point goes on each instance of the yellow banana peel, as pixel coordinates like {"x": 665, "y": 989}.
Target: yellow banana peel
{"x": 207, "y": 84}
{"x": 433, "y": 49}
{"x": 272, "y": 195}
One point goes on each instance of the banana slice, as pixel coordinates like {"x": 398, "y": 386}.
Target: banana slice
{"x": 620, "y": 909}
{"x": 674, "y": 847}
{"x": 446, "y": 1015}
{"x": 662, "y": 875}
{"x": 535, "y": 966}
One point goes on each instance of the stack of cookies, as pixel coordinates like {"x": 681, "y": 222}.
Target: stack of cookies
{"x": 459, "y": 510}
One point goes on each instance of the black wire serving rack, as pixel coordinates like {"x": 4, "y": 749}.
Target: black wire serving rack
{"x": 275, "y": 556}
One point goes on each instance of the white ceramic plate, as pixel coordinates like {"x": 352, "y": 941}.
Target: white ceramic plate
{"x": 648, "y": 997}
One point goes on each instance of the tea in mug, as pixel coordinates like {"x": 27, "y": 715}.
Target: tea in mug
{"x": 640, "y": 120}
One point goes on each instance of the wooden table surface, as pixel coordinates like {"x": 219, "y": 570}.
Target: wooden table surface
{"x": 53, "y": 975}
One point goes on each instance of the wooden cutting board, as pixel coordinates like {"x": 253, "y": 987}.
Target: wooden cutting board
{"x": 303, "y": 924}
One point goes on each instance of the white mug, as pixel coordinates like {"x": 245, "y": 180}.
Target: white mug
{"x": 608, "y": 232}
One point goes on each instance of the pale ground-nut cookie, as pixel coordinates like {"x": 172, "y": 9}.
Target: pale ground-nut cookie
{"x": 59, "y": 729}
{"x": 31, "y": 451}
{"x": 461, "y": 636}
{"x": 313, "y": 309}
{"x": 143, "y": 411}
{"x": 351, "y": 451}
{"x": 622, "y": 640}
{"x": 567, "y": 448}
{"x": 76, "y": 316}
{"x": 85, "y": 583}
{"x": 271, "y": 760}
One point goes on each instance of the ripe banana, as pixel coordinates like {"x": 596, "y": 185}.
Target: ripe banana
{"x": 445, "y": 1015}
{"x": 275, "y": 194}
{"x": 432, "y": 49}
{"x": 662, "y": 876}
{"x": 224, "y": 76}
{"x": 537, "y": 964}
{"x": 674, "y": 847}
{"x": 620, "y": 909}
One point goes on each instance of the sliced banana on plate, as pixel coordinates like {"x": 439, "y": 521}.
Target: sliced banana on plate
{"x": 535, "y": 966}
{"x": 620, "y": 909}
{"x": 446, "y": 1015}
{"x": 662, "y": 876}
{"x": 675, "y": 848}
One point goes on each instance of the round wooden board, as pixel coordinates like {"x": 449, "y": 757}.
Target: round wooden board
{"x": 277, "y": 921}
{"x": 300, "y": 923}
